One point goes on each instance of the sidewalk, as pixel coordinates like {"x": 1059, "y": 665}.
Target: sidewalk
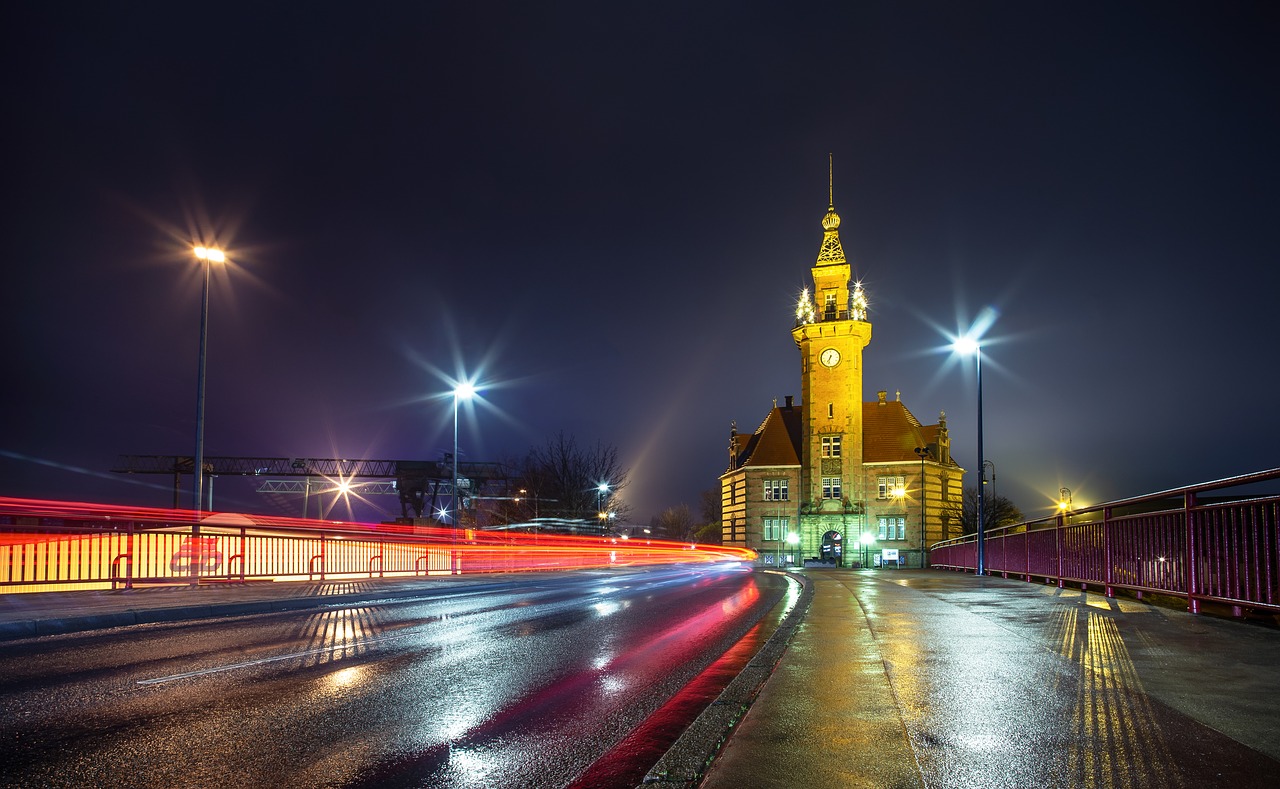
{"x": 928, "y": 678}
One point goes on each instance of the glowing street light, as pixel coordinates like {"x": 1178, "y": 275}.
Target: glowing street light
{"x": 866, "y": 540}
{"x": 205, "y": 255}
{"x": 1064, "y": 500}
{"x": 966, "y": 346}
{"x": 602, "y": 490}
{"x": 463, "y": 391}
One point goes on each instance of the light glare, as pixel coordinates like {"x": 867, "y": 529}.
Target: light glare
{"x": 212, "y": 254}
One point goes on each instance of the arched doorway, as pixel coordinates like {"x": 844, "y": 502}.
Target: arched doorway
{"x": 832, "y": 549}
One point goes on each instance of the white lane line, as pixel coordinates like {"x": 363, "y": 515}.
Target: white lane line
{"x": 260, "y": 661}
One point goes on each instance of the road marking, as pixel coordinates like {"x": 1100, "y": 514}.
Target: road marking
{"x": 260, "y": 661}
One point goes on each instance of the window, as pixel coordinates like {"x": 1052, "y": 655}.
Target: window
{"x": 774, "y": 529}
{"x": 831, "y": 488}
{"x": 891, "y": 528}
{"x": 775, "y": 490}
{"x": 885, "y": 486}
{"x": 831, "y": 410}
{"x": 831, "y": 446}
{"x": 829, "y": 307}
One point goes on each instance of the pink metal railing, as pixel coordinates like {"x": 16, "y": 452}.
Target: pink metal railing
{"x": 1214, "y": 542}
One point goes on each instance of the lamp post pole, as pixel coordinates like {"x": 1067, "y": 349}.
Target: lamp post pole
{"x": 982, "y": 548}
{"x": 462, "y": 390}
{"x": 923, "y": 452}
{"x": 205, "y": 255}
{"x": 601, "y": 489}
{"x": 967, "y": 345}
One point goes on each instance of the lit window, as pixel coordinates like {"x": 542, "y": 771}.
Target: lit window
{"x": 775, "y": 490}
{"x": 831, "y": 446}
{"x": 885, "y": 486}
{"x": 891, "y": 528}
{"x": 774, "y": 528}
{"x": 831, "y": 488}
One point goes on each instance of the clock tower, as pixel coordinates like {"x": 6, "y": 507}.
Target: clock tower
{"x": 831, "y": 330}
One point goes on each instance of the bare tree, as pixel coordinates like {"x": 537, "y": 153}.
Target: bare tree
{"x": 709, "y": 532}
{"x": 675, "y": 523}
{"x": 562, "y": 479}
{"x": 996, "y": 511}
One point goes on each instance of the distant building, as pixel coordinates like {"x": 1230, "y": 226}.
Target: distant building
{"x": 817, "y": 477}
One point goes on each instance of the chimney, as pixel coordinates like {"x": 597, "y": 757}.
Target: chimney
{"x": 789, "y": 401}
{"x": 882, "y": 394}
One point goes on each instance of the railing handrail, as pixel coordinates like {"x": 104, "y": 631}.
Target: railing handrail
{"x": 1225, "y": 550}
{"x": 1227, "y": 482}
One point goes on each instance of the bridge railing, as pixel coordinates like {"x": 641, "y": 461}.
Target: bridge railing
{"x": 1213, "y": 542}
{"x": 47, "y": 545}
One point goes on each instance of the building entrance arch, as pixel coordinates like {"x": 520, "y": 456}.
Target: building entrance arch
{"x": 832, "y": 549}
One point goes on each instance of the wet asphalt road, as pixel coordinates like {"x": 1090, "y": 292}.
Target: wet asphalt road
{"x": 528, "y": 685}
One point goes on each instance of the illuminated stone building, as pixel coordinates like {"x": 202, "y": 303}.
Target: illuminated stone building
{"x": 818, "y": 479}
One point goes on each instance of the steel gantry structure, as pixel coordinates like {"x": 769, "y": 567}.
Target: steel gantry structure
{"x": 420, "y": 483}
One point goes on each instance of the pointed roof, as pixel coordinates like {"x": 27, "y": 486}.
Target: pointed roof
{"x": 774, "y": 443}
{"x": 891, "y": 433}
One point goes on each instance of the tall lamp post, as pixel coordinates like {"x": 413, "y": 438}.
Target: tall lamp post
{"x": 601, "y": 490}
{"x": 967, "y": 345}
{"x": 205, "y": 255}
{"x": 865, "y": 540}
{"x": 923, "y": 452}
{"x": 463, "y": 391}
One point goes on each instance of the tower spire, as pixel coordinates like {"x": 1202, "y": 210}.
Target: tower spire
{"x": 830, "y": 252}
{"x": 831, "y": 200}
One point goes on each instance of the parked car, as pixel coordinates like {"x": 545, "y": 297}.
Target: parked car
{"x": 202, "y": 551}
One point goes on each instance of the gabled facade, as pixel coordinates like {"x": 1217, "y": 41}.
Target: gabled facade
{"x": 835, "y": 478}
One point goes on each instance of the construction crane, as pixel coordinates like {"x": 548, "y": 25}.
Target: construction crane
{"x": 419, "y": 483}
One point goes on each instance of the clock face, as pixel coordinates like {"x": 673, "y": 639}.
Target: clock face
{"x": 830, "y": 357}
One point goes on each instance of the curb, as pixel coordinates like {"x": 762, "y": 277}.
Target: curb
{"x": 687, "y": 761}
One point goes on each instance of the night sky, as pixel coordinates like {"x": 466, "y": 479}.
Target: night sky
{"x": 606, "y": 213}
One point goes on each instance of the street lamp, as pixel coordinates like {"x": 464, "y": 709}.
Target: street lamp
{"x": 601, "y": 490}
{"x": 923, "y": 452}
{"x": 866, "y": 540}
{"x": 793, "y": 540}
{"x": 205, "y": 255}
{"x": 1064, "y": 500}
{"x": 463, "y": 391}
{"x": 987, "y": 464}
{"x": 966, "y": 346}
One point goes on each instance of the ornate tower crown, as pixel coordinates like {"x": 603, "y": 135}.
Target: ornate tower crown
{"x": 830, "y": 251}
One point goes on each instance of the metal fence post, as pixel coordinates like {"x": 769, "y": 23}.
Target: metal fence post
{"x": 1192, "y": 571}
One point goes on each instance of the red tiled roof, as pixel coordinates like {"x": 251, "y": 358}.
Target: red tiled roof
{"x": 775, "y": 442}
{"x": 890, "y": 433}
